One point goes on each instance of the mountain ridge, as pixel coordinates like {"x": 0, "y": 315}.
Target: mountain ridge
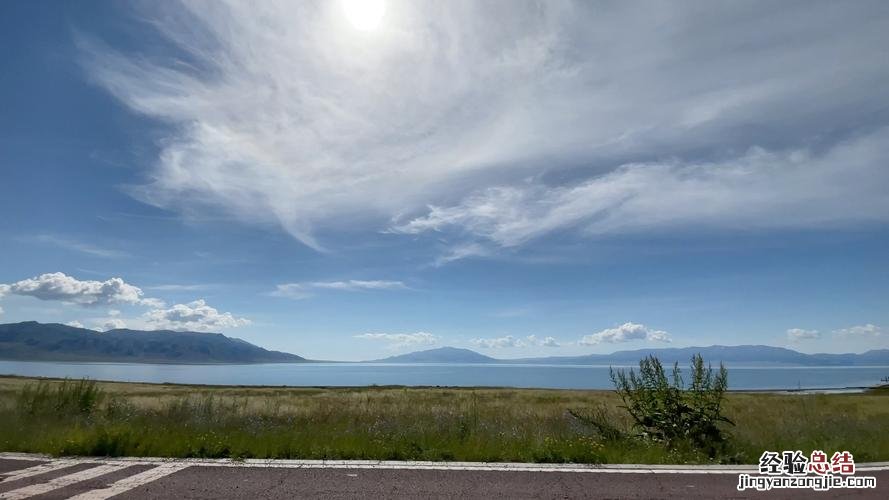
{"x": 737, "y": 355}
{"x": 33, "y": 341}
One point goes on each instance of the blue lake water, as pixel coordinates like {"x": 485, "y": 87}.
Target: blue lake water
{"x": 359, "y": 374}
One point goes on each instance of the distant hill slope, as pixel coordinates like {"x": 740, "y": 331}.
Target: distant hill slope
{"x": 32, "y": 341}
{"x": 735, "y": 355}
{"x": 440, "y": 355}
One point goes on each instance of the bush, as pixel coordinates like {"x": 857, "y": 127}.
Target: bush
{"x": 665, "y": 410}
{"x": 65, "y": 398}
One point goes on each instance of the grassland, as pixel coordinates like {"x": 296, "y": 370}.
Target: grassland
{"x": 396, "y": 423}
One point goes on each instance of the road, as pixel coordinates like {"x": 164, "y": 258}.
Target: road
{"x": 23, "y": 476}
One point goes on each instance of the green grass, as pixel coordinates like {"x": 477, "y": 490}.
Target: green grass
{"x": 527, "y": 425}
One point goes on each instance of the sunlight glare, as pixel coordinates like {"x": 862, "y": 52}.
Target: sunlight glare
{"x": 364, "y": 15}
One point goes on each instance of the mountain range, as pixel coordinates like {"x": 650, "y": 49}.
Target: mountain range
{"x": 734, "y": 355}
{"x": 32, "y": 341}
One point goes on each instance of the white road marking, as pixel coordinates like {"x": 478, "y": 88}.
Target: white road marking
{"x": 128, "y": 483}
{"x": 38, "y": 469}
{"x": 61, "y": 482}
{"x": 425, "y": 465}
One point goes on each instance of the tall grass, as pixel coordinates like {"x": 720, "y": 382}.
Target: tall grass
{"x": 85, "y": 418}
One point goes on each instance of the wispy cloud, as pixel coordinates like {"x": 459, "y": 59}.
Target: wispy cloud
{"x": 551, "y": 120}
{"x": 761, "y": 189}
{"x": 625, "y": 333}
{"x": 174, "y": 287}
{"x": 78, "y": 246}
{"x": 306, "y": 289}
{"x": 402, "y": 340}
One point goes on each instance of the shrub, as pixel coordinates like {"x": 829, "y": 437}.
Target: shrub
{"x": 65, "y": 398}
{"x": 666, "y": 410}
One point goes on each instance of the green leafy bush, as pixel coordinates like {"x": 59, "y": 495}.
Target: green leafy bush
{"x": 665, "y": 409}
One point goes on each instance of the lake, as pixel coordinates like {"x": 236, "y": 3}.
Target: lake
{"x": 498, "y": 375}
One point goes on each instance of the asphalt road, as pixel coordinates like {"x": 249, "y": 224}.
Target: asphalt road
{"x": 92, "y": 480}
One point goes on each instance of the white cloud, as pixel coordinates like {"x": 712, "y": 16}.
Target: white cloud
{"x": 194, "y": 316}
{"x": 305, "y": 290}
{"x": 179, "y": 287}
{"x": 797, "y": 334}
{"x": 625, "y": 333}
{"x": 402, "y": 340}
{"x": 75, "y": 324}
{"x": 111, "y": 324}
{"x": 544, "y": 342}
{"x": 1, "y": 310}
{"x": 760, "y": 189}
{"x": 77, "y": 246}
{"x": 861, "y": 331}
{"x": 59, "y": 286}
{"x": 498, "y": 343}
{"x": 282, "y": 114}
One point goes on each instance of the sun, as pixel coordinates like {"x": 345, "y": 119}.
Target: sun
{"x": 364, "y": 15}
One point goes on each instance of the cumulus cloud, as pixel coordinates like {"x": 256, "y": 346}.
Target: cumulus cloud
{"x": 498, "y": 343}
{"x": 193, "y": 316}
{"x": 61, "y": 287}
{"x": 544, "y": 342}
{"x": 111, "y": 324}
{"x": 75, "y": 324}
{"x": 402, "y": 340}
{"x": 797, "y": 334}
{"x": 304, "y": 290}
{"x": 625, "y": 333}
{"x": 860, "y": 331}
{"x": 552, "y": 118}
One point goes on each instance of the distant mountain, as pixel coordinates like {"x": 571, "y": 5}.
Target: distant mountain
{"x": 32, "y": 341}
{"x": 440, "y": 355}
{"x": 730, "y": 355}
{"x": 735, "y": 355}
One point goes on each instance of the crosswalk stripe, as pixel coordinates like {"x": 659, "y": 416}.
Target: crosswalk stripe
{"x": 61, "y": 482}
{"x": 38, "y": 469}
{"x": 128, "y": 483}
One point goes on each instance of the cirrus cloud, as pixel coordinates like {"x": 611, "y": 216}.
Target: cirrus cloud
{"x": 306, "y": 289}
{"x": 551, "y": 119}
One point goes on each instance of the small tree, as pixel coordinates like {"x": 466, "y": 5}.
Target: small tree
{"x": 666, "y": 410}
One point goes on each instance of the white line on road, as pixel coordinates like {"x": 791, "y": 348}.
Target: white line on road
{"x": 424, "y": 465}
{"x": 128, "y": 483}
{"x": 38, "y": 469}
{"x": 61, "y": 482}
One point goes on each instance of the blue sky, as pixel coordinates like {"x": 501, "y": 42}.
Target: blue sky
{"x": 517, "y": 178}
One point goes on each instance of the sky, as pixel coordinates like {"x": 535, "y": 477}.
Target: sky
{"x": 350, "y": 180}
